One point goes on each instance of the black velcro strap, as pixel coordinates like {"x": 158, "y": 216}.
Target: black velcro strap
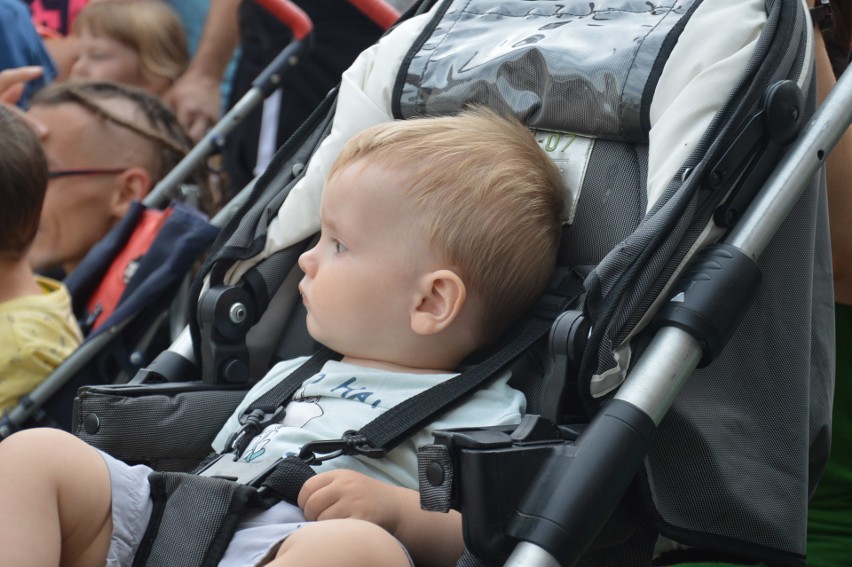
{"x": 193, "y": 520}
{"x": 435, "y": 473}
{"x": 401, "y": 421}
{"x": 287, "y": 479}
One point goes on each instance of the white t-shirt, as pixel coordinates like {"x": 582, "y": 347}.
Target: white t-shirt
{"x": 344, "y": 397}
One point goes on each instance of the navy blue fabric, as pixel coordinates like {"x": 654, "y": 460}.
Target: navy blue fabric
{"x": 20, "y": 45}
{"x": 83, "y": 281}
{"x": 181, "y": 240}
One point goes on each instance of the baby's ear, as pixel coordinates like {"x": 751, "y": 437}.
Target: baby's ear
{"x": 440, "y": 300}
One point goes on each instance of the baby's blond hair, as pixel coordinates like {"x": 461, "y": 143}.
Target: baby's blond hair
{"x": 151, "y": 28}
{"x": 490, "y": 201}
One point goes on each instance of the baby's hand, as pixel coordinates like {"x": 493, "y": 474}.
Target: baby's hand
{"x": 348, "y": 494}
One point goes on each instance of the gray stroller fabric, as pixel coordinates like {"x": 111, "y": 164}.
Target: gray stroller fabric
{"x": 168, "y": 427}
{"x": 743, "y": 446}
{"x": 735, "y": 459}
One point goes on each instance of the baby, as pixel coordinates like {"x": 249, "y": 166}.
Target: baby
{"x": 437, "y": 235}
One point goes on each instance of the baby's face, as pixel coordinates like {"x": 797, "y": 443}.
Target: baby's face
{"x": 361, "y": 278}
{"x": 102, "y": 58}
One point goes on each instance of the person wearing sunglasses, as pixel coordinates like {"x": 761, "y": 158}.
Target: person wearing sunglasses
{"x": 107, "y": 145}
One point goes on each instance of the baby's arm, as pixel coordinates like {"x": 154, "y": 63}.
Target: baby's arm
{"x": 432, "y": 538}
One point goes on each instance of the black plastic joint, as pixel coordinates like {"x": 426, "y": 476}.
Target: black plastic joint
{"x": 225, "y": 316}
{"x": 567, "y": 506}
{"x": 712, "y": 296}
{"x": 231, "y": 310}
{"x": 169, "y": 366}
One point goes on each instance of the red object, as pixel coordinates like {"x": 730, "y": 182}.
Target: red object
{"x": 383, "y": 14}
{"x": 105, "y": 298}
{"x": 59, "y": 18}
{"x": 379, "y": 11}
{"x": 290, "y": 15}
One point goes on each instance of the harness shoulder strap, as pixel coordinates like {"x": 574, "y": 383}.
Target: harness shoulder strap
{"x": 401, "y": 421}
{"x": 269, "y": 407}
{"x": 213, "y": 505}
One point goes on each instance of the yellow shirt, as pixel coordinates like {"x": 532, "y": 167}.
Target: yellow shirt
{"x": 37, "y": 332}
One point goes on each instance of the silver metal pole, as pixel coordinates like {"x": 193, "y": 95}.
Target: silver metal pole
{"x": 163, "y": 191}
{"x": 784, "y": 187}
{"x": 674, "y": 354}
{"x": 527, "y": 554}
{"x": 654, "y": 382}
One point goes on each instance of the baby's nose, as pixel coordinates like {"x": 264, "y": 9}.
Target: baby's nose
{"x": 307, "y": 262}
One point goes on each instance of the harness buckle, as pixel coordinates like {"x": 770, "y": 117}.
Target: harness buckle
{"x": 253, "y": 424}
{"x": 229, "y": 467}
{"x": 352, "y": 443}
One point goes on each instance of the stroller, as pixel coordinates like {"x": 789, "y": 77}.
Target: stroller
{"x": 667, "y": 138}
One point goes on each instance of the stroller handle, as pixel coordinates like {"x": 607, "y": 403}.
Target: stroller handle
{"x": 383, "y": 14}
{"x": 290, "y": 15}
{"x": 380, "y": 12}
{"x": 673, "y": 353}
{"x": 263, "y": 85}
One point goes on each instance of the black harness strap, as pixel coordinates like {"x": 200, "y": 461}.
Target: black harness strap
{"x": 269, "y": 407}
{"x": 401, "y": 421}
{"x": 195, "y": 516}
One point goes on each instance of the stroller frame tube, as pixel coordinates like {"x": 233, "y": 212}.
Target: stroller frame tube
{"x": 674, "y": 354}
{"x": 380, "y": 12}
{"x": 214, "y": 139}
{"x": 265, "y": 83}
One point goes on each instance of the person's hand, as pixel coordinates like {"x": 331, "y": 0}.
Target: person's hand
{"x": 13, "y": 81}
{"x": 12, "y": 84}
{"x": 196, "y": 102}
{"x": 347, "y": 494}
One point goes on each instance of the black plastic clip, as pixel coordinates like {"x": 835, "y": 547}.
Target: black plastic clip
{"x": 254, "y": 423}
{"x": 757, "y": 148}
{"x": 352, "y": 443}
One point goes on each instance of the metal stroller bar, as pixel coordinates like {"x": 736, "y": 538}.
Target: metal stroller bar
{"x": 382, "y": 14}
{"x": 262, "y": 86}
{"x": 673, "y": 354}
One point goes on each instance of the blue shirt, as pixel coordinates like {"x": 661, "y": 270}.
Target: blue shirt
{"x": 20, "y": 45}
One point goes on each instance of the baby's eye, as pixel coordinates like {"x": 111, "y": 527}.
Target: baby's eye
{"x": 339, "y": 247}
{"x": 97, "y": 55}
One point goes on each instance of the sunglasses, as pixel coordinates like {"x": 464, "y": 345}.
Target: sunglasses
{"x": 68, "y": 172}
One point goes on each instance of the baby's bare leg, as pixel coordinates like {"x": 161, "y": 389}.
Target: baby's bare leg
{"x": 350, "y": 543}
{"x": 55, "y": 501}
